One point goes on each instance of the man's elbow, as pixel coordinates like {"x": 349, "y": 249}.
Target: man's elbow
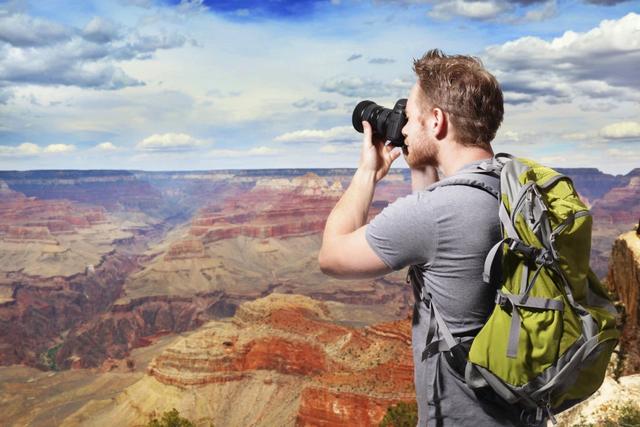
{"x": 330, "y": 264}
{"x": 326, "y": 264}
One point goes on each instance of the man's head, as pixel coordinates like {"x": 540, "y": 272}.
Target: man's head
{"x": 456, "y": 93}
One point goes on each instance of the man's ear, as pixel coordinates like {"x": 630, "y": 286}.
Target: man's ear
{"x": 440, "y": 123}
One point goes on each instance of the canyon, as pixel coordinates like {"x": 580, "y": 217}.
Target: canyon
{"x": 212, "y": 276}
{"x": 287, "y": 357}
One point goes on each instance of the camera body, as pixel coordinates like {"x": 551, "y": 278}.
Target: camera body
{"x": 385, "y": 123}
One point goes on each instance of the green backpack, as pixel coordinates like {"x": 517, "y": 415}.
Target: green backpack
{"x": 548, "y": 341}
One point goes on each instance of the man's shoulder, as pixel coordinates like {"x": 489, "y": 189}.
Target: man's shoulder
{"x": 465, "y": 189}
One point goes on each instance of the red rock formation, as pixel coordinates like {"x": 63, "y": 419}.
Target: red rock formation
{"x": 350, "y": 376}
{"x": 137, "y": 323}
{"x": 281, "y": 208}
{"x": 323, "y": 407}
{"x": 29, "y": 219}
{"x": 42, "y": 308}
{"x": 277, "y": 208}
{"x": 620, "y": 205}
{"x": 624, "y": 280}
{"x": 185, "y": 249}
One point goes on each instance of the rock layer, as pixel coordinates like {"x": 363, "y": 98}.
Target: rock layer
{"x": 41, "y": 310}
{"x": 289, "y": 355}
{"x": 624, "y": 280}
{"x": 277, "y": 208}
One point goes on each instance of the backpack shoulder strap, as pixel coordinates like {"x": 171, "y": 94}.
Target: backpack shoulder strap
{"x": 485, "y": 176}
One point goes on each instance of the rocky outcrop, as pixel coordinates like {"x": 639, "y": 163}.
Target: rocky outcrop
{"x": 47, "y": 238}
{"x": 275, "y": 207}
{"x": 281, "y": 360}
{"x": 624, "y": 280}
{"x": 185, "y": 249}
{"x": 42, "y": 309}
{"x": 603, "y": 407}
{"x": 620, "y": 205}
{"x": 593, "y": 184}
{"x": 137, "y": 323}
{"x": 30, "y": 218}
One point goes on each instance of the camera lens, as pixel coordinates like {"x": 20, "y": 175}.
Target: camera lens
{"x": 385, "y": 123}
{"x": 359, "y": 114}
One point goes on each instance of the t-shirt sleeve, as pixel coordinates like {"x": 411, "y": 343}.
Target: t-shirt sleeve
{"x": 405, "y": 232}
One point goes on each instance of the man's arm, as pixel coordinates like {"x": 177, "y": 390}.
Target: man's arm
{"x": 345, "y": 252}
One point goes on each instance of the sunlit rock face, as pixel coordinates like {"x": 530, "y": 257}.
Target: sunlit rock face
{"x": 274, "y": 208}
{"x": 624, "y": 280}
{"x": 53, "y": 237}
{"x": 59, "y": 267}
{"x": 593, "y": 184}
{"x": 37, "y": 313}
{"x": 270, "y": 227}
{"x": 291, "y": 356}
{"x": 620, "y": 205}
{"x": 604, "y": 404}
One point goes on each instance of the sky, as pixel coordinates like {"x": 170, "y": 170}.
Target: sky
{"x": 246, "y": 84}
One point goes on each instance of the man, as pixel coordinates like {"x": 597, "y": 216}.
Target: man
{"x": 453, "y": 113}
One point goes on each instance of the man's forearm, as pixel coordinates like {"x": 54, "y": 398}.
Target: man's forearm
{"x": 423, "y": 177}
{"x": 350, "y": 213}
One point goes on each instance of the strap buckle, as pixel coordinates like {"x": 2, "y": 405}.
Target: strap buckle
{"x": 502, "y": 300}
{"x": 544, "y": 258}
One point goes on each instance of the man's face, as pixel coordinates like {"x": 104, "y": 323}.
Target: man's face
{"x": 420, "y": 147}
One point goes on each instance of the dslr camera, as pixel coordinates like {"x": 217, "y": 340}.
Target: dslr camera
{"x": 385, "y": 123}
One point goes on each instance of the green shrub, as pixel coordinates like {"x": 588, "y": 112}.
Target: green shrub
{"x": 401, "y": 415}
{"x": 625, "y": 415}
{"x": 48, "y": 358}
{"x": 171, "y": 418}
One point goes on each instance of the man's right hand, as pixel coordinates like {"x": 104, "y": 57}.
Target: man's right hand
{"x": 375, "y": 157}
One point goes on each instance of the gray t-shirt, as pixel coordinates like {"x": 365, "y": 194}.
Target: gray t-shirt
{"x": 446, "y": 232}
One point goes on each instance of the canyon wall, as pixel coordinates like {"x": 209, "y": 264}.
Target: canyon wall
{"x": 284, "y": 359}
{"x": 624, "y": 280}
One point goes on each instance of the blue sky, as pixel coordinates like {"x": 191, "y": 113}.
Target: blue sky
{"x": 184, "y": 85}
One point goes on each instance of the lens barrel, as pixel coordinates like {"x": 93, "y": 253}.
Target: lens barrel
{"x": 385, "y": 123}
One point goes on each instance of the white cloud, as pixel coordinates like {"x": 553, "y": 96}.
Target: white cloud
{"x": 263, "y": 151}
{"x": 577, "y": 136}
{"x": 480, "y": 10}
{"x": 621, "y": 130}
{"x": 106, "y": 146}
{"x": 46, "y": 53}
{"x": 23, "y": 150}
{"x": 28, "y": 149}
{"x": 59, "y": 148}
{"x": 599, "y": 63}
{"x": 310, "y": 104}
{"x": 255, "y": 151}
{"x": 339, "y": 149}
{"x": 25, "y": 31}
{"x": 5, "y": 96}
{"x": 548, "y": 10}
{"x": 101, "y": 30}
{"x": 364, "y": 87}
{"x": 335, "y": 134}
{"x": 507, "y": 135}
{"x": 170, "y": 142}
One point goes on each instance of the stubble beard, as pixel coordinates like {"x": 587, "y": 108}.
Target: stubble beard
{"x": 420, "y": 155}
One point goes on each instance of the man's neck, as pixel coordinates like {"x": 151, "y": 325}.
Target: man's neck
{"x": 452, "y": 158}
